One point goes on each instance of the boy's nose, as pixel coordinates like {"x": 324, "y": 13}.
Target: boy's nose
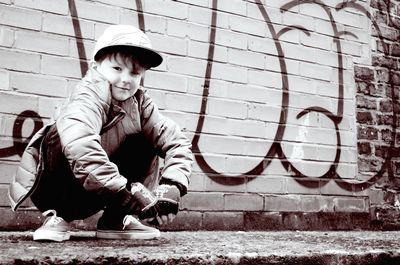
{"x": 126, "y": 78}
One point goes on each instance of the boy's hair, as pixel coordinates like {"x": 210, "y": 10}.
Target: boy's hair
{"x": 129, "y": 58}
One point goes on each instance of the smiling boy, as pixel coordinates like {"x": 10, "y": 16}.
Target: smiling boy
{"x": 102, "y": 151}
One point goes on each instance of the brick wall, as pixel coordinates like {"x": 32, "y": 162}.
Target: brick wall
{"x": 290, "y": 105}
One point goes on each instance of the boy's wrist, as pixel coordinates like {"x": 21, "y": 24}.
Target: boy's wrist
{"x": 182, "y": 189}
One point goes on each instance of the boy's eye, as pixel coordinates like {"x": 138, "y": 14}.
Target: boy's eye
{"x": 117, "y": 68}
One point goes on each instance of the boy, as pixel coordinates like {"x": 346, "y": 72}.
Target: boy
{"x": 101, "y": 153}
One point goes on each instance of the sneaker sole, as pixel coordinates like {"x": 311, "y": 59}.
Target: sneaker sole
{"x": 51, "y": 236}
{"x": 105, "y": 234}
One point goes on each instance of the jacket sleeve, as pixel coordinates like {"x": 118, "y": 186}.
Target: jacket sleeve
{"x": 169, "y": 141}
{"x": 79, "y": 125}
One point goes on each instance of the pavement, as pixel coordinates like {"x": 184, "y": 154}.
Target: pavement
{"x": 208, "y": 247}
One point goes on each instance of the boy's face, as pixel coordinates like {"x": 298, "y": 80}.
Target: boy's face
{"x": 124, "y": 80}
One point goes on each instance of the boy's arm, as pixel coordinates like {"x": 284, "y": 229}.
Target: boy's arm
{"x": 78, "y": 126}
{"x": 170, "y": 142}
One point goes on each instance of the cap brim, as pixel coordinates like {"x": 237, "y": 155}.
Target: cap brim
{"x": 148, "y": 56}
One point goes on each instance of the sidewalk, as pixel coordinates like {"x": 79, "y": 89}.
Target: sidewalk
{"x": 211, "y": 247}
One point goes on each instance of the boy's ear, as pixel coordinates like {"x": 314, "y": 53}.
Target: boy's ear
{"x": 93, "y": 64}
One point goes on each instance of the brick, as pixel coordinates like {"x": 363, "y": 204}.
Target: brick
{"x": 21, "y": 61}
{"x": 183, "y": 29}
{"x": 343, "y": 204}
{"x": 203, "y": 16}
{"x": 365, "y": 117}
{"x": 210, "y": 201}
{"x": 11, "y": 16}
{"x": 247, "y": 25}
{"x": 224, "y": 184}
{"x": 97, "y": 12}
{"x": 179, "y": 117}
{"x": 317, "y": 204}
{"x": 216, "y": 162}
{"x": 3, "y": 195}
{"x": 186, "y": 221}
{"x": 221, "y": 144}
{"x": 197, "y": 182}
{"x": 349, "y": 48}
{"x": 60, "y": 66}
{"x": 182, "y": 102}
{"x": 6, "y": 37}
{"x": 246, "y": 58}
{"x": 223, "y": 221}
{"x": 282, "y": 203}
{"x": 187, "y": 66}
{"x": 248, "y": 128}
{"x": 367, "y": 133}
{"x": 315, "y": 71}
{"x": 227, "y": 108}
{"x": 7, "y": 171}
{"x": 264, "y": 45}
{"x": 243, "y": 202}
{"x": 316, "y": 41}
{"x": 262, "y": 221}
{"x": 214, "y": 125}
{"x": 15, "y": 104}
{"x": 41, "y": 42}
{"x": 366, "y": 103}
{"x": 9, "y": 150}
{"x": 264, "y": 78}
{"x": 231, "y": 39}
{"x": 332, "y": 188}
{"x": 75, "y": 44}
{"x": 48, "y": 106}
{"x": 131, "y": 17}
{"x": 256, "y": 147}
{"x": 253, "y": 93}
{"x": 241, "y": 164}
{"x": 307, "y": 22}
{"x": 166, "y": 81}
{"x": 303, "y": 185}
{"x": 121, "y": 3}
{"x": 4, "y": 80}
{"x": 264, "y": 112}
{"x": 6, "y": 125}
{"x": 64, "y": 26}
{"x": 229, "y": 72}
{"x": 166, "y": 8}
{"x": 45, "y": 5}
{"x": 201, "y": 49}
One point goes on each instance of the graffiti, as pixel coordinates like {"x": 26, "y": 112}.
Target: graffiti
{"x": 276, "y": 149}
{"x": 18, "y": 144}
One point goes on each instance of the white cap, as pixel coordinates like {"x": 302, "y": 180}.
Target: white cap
{"x": 128, "y": 36}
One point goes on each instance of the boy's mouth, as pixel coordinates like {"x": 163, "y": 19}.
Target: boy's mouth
{"x": 123, "y": 88}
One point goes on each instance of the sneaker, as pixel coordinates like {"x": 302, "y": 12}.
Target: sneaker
{"x": 129, "y": 228}
{"x": 54, "y": 228}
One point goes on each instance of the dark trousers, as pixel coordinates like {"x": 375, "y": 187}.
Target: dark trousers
{"x": 58, "y": 188}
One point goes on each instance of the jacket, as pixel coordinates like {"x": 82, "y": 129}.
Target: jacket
{"x": 91, "y": 125}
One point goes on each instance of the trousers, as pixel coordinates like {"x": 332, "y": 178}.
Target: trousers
{"x": 59, "y": 189}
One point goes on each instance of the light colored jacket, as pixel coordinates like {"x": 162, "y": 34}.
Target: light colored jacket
{"x": 91, "y": 125}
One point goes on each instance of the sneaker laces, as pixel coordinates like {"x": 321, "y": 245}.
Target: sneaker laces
{"x": 128, "y": 219}
{"x": 160, "y": 191}
{"x": 52, "y": 219}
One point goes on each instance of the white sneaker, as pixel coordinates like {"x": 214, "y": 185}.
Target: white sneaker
{"x": 54, "y": 228}
{"x": 130, "y": 228}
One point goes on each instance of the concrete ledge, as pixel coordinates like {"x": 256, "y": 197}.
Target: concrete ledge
{"x": 213, "y": 247}
{"x": 227, "y": 221}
